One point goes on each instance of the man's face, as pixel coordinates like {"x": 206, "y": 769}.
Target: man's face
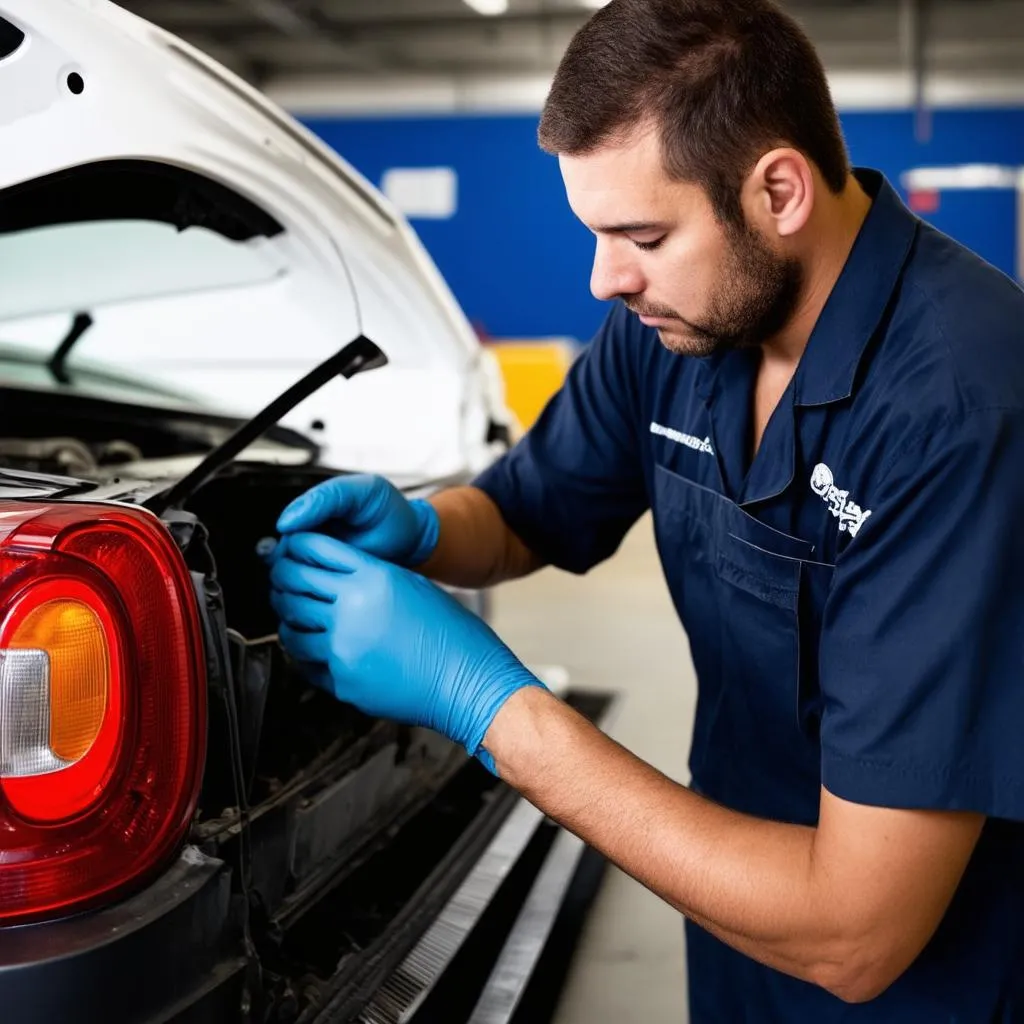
{"x": 661, "y": 249}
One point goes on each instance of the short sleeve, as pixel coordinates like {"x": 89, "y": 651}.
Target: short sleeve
{"x": 922, "y": 645}
{"x": 574, "y": 485}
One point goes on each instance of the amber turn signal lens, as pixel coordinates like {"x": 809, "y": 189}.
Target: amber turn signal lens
{"x": 72, "y": 636}
{"x": 61, "y": 698}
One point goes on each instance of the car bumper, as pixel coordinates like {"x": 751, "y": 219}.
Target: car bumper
{"x": 167, "y": 948}
{"x": 466, "y": 947}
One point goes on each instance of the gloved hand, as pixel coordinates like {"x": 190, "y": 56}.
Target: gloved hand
{"x": 369, "y": 513}
{"x": 391, "y": 642}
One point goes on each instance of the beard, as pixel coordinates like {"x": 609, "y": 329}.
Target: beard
{"x": 756, "y": 298}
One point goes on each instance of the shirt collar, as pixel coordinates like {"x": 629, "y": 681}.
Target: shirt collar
{"x": 860, "y": 297}
{"x": 854, "y": 308}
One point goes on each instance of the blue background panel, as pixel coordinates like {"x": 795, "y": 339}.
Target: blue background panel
{"x": 519, "y": 261}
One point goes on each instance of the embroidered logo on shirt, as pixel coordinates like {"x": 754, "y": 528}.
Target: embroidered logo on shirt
{"x": 850, "y": 515}
{"x": 685, "y": 439}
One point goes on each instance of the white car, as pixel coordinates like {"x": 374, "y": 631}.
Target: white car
{"x": 189, "y": 831}
{"x": 253, "y": 251}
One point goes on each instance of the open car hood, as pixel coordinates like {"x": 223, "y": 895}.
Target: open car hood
{"x": 288, "y": 252}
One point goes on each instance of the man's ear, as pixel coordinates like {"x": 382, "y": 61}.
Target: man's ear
{"x": 778, "y": 195}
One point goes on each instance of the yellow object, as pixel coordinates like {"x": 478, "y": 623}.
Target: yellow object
{"x": 71, "y": 634}
{"x": 533, "y": 371}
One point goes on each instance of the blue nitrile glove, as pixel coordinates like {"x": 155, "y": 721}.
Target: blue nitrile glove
{"x": 391, "y": 642}
{"x": 369, "y": 513}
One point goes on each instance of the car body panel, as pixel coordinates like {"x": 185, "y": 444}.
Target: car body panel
{"x": 346, "y": 262}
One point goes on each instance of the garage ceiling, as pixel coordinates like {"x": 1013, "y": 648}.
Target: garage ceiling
{"x": 267, "y": 40}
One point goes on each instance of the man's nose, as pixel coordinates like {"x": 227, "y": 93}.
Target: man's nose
{"x": 615, "y": 271}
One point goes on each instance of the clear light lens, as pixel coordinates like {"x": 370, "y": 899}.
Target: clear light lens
{"x": 25, "y": 715}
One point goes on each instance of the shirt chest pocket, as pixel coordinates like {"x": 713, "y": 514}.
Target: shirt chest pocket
{"x": 750, "y": 598}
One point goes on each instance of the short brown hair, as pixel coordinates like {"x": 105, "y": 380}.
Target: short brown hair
{"x": 724, "y": 80}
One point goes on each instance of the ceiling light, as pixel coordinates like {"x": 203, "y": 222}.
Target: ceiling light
{"x": 488, "y": 6}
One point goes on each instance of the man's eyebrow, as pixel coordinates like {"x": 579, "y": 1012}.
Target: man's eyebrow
{"x": 635, "y": 227}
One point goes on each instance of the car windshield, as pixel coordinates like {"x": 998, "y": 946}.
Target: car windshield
{"x": 63, "y": 268}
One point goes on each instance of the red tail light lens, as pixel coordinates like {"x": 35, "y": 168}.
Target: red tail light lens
{"x": 102, "y": 705}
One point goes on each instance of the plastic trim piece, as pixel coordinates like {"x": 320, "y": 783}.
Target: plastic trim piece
{"x": 522, "y": 950}
{"x": 406, "y": 989}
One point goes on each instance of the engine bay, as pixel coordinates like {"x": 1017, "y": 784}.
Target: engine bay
{"x": 288, "y": 730}
{"x": 77, "y": 433}
{"x": 66, "y": 456}
{"x": 323, "y": 809}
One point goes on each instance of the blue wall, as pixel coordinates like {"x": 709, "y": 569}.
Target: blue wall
{"x": 518, "y": 260}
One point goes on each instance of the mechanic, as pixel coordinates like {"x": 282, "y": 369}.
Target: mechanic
{"x": 821, "y": 400}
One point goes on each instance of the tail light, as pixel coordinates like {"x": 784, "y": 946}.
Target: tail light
{"x": 102, "y": 705}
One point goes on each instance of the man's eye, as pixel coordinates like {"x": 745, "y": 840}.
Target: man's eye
{"x": 649, "y": 246}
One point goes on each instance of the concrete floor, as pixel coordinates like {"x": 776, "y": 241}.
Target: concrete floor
{"x": 616, "y": 628}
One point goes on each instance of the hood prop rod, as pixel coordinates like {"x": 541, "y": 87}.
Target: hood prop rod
{"x": 356, "y": 357}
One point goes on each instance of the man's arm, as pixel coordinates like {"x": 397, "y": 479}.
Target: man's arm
{"x": 847, "y": 905}
{"x": 572, "y": 487}
{"x": 568, "y": 493}
{"x": 475, "y": 548}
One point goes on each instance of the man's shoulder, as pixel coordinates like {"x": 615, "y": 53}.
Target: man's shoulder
{"x": 956, "y": 336}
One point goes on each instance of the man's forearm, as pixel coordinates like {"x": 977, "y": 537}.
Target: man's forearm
{"x": 719, "y": 868}
{"x": 475, "y": 548}
{"x": 812, "y": 903}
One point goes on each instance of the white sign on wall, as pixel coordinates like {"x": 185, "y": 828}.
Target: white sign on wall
{"x": 427, "y": 193}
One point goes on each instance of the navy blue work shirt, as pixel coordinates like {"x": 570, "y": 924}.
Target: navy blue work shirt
{"x": 853, "y": 596}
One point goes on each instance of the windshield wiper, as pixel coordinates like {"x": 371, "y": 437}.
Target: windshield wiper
{"x": 79, "y": 326}
{"x": 356, "y": 357}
